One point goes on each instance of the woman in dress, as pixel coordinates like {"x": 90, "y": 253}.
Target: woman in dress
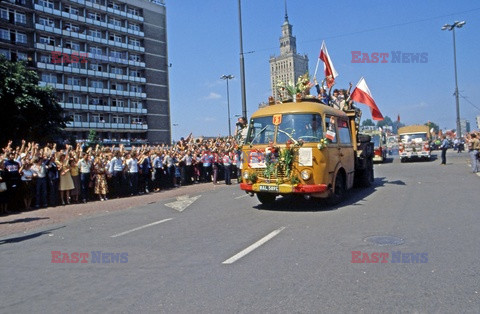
{"x": 66, "y": 181}
{"x": 27, "y": 184}
{"x": 75, "y": 193}
{"x": 101, "y": 188}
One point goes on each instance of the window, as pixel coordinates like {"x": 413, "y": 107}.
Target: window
{"x": 73, "y": 81}
{"x": 77, "y": 117}
{"x": 116, "y": 38}
{"x": 5, "y": 53}
{"x": 72, "y": 45}
{"x": 74, "y": 99}
{"x": 22, "y": 56}
{"x": 135, "y": 88}
{"x": 95, "y": 67}
{"x": 47, "y": 40}
{"x": 4, "y": 34}
{"x": 49, "y": 78}
{"x": 45, "y": 59}
{"x": 117, "y": 119}
{"x": 95, "y": 51}
{"x": 72, "y": 27}
{"x": 114, "y": 21}
{"x": 96, "y": 84}
{"x": 134, "y": 73}
{"x": 116, "y": 54}
{"x": 46, "y": 3}
{"x": 46, "y": 21}
{"x": 137, "y": 120}
{"x": 95, "y": 118}
{"x": 95, "y": 33}
{"x": 134, "y": 42}
{"x": 4, "y": 13}
{"x": 21, "y": 38}
{"x": 20, "y": 18}
{"x": 134, "y": 57}
{"x": 114, "y": 5}
{"x": 94, "y": 101}
{"x": 136, "y": 104}
{"x": 94, "y": 16}
{"x": 343, "y": 132}
{"x": 118, "y": 103}
{"x": 134, "y": 27}
{"x": 71, "y": 10}
{"x": 330, "y": 127}
{"x": 133, "y": 11}
{"x": 116, "y": 70}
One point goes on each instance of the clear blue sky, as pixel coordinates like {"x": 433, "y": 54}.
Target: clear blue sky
{"x": 203, "y": 44}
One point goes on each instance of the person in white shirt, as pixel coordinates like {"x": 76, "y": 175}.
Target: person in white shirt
{"x": 40, "y": 172}
{"x": 132, "y": 173}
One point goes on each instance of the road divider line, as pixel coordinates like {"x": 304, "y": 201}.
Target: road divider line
{"x": 242, "y": 196}
{"x": 254, "y": 246}
{"x": 139, "y": 228}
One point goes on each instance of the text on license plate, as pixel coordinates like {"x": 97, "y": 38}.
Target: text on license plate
{"x": 268, "y": 188}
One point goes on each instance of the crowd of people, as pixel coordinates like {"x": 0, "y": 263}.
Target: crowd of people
{"x": 33, "y": 177}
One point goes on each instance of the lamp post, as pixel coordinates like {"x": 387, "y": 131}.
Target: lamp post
{"x": 242, "y": 63}
{"x": 228, "y": 77}
{"x": 452, "y": 28}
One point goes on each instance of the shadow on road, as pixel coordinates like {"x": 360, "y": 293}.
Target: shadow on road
{"x": 296, "y": 203}
{"x": 27, "y": 237}
{"x": 23, "y": 220}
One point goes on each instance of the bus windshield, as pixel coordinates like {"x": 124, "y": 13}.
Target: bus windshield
{"x": 293, "y": 127}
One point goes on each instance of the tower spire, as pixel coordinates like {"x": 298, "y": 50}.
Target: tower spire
{"x": 286, "y": 15}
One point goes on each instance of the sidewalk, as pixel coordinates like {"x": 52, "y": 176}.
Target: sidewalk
{"x": 34, "y": 219}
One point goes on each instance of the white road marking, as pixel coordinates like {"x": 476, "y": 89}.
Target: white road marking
{"x": 252, "y": 247}
{"x": 182, "y": 202}
{"x": 242, "y": 196}
{"x": 139, "y": 228}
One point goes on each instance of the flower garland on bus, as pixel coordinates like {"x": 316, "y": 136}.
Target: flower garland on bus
{"x": 302, "y": 87}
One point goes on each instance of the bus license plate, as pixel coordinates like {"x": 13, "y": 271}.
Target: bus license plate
{"x": 268, "y": 188}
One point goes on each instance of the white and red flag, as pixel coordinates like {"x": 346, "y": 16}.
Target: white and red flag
{"x": 330, "y": 72}
{"x": 362, "y": 94}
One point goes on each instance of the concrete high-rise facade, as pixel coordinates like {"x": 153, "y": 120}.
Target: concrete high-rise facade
{"x": 289, "y": 65}
{"x": 106, "y": 60}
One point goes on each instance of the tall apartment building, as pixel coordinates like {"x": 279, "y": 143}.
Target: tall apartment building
{"x": 289, "y": 65}
{"x": 106, "y": 60}
{"x": 465, "y": 126}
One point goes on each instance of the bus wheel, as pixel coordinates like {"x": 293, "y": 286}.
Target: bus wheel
{"x": 338, "y": 192}
{"x": 266, "y": 198}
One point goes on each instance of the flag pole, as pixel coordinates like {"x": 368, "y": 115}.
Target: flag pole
{"x": 316, "y": 68}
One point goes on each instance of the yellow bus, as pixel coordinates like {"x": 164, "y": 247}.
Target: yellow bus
{"x": 305, "y": 147}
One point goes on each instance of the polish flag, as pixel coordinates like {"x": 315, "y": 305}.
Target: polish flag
{"x": 330, "y": 135}
{"x": 362, "y": 94}
{"x": 330, "y": 72}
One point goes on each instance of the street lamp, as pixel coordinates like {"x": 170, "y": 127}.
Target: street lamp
{"x": 452, "y": 28}
{"x": 242, "y": 63}
{"x": 228, "y": 77}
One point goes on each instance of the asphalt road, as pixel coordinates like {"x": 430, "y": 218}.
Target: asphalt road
{"x": 219, "y": 251}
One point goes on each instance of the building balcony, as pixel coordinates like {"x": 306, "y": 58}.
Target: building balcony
{"x": 107, "y": 126}
{"x": 99, "y": 108}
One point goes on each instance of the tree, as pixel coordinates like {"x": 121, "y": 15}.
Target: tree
{"x": 29, "y": 111}
{"x": 368, "y": 122}
{"x": 385, "y": 122}
{"x": 433, "y": 125}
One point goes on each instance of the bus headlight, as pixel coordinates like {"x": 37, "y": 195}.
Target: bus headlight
{"x": 305, "y": 174}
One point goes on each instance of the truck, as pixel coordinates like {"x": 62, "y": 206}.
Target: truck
{"x": 379, "y": 143}
{"x": 305, "y": 148}
{"x": 414, "y": 143}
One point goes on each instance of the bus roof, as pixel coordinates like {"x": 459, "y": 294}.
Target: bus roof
{"x": 413, "y": 129}
{"x": 305, "y": 106}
